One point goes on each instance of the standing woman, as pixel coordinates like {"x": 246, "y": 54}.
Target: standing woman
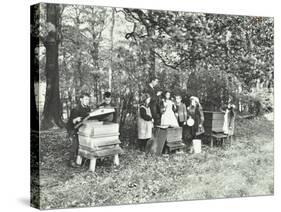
{"x": 145, "y": 121}
{"x": 195, "y": 120}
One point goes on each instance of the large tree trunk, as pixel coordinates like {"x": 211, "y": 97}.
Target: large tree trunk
{"x": 52, "y": 113}
{"x": 111, "y": 50}
{"x": 34, "y": 66}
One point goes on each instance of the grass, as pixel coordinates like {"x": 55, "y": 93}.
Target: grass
{"x": 243, "y": 169}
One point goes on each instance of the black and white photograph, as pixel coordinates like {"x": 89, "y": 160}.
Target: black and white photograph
{"x": 133, "y": 106}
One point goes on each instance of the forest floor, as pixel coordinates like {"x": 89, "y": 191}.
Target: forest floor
{"x": 243, "y": 169}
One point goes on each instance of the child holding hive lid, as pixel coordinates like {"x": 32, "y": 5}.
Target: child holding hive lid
{"x": 107, "y": 103}
{"x": 145, "y": 121}
{"x": 77, "y": 115}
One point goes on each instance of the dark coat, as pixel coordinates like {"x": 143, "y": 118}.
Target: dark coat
{"x": 79, "y": 111}
{"x": 182, "y": 112}
{"x": 152, "y": 92}
{"x": 155, "y": 105}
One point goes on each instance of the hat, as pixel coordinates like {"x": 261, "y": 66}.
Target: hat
{"x": 196, "y": 99}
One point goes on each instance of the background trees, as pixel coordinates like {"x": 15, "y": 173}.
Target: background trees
{"x": 211, "y": 56}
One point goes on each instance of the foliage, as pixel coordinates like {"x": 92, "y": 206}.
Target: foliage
{"x": 208, "y": 55}
{"x": 237, "y": 49}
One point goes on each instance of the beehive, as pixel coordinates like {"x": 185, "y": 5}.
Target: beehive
{"x": 174, "y": 134}
{"x": 213, "y": 121}
{"x": 169, "y": 137}
{"x": 94, "y": 135}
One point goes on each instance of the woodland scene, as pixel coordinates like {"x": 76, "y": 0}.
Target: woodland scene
{"x": 78, "y": 49}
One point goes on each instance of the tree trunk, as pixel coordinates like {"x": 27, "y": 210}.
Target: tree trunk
{"x": 151, "y": 57}
{"x": 111, "y": 50}
{"x": 52, "y": 113}
{"x": 34, "y": 67}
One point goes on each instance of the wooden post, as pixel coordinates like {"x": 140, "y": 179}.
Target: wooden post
{"x": 230, "y": 140}
{"x": 92, "y": 165}
{"x": 116, "y": 160}
{"x": 79, "y": 159}
{"x": 212, "y": 141}
{"x": 223, "y": 142}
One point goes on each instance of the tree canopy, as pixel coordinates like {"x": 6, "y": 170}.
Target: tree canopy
{"x": 208, "y": 55}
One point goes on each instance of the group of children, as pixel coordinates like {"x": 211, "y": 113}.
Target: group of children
{"x": 173, "y": 114}
{"x": 156, "y": 109}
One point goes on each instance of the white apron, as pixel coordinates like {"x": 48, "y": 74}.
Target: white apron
{"x": 145, "y": 127}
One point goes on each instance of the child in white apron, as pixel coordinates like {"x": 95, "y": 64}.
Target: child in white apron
{"x": 145, "y": 122}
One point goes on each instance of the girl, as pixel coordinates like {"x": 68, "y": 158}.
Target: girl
{"x": 145, "y": 122}
{"x": 168, "y": 117}
{"x": 195, "y": 120}
{"x": 229, "y": 117}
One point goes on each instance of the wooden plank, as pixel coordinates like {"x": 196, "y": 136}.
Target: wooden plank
{"x": 92, "y": 166}
{"x": 175, "y": 148}
{"x": 109, "y": 152}
{"x": 100, "y": 135}
{"x": 116, "y": 160}
{"x": 89, "y": 149}
{"x": 175, "y": 144}
{"x": 219, "y": 135}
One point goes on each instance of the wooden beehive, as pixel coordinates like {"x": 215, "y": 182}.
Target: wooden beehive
{"x": 174, "y": 134}
{"x": 213, "y": 122}
{"x": 171, "y": 137}
{"x": 95, "y": 135}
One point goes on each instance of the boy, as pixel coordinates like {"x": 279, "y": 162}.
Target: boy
{"x": 77, "y": 115}
{"x": 108, "y": 104}
{"x": 181, "y": 112}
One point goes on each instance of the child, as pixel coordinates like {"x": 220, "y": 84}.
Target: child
{"x": 180, "y": 111}
{"x": 229, "y": 117}
{"x": 168, "y": 117}
{"x": 108, "y": 104}
{"x": 76, "y": 115}
{"x": 181, "y": 114}
{"x": 195, "y": 113}
{"x": 145, "y": 122}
